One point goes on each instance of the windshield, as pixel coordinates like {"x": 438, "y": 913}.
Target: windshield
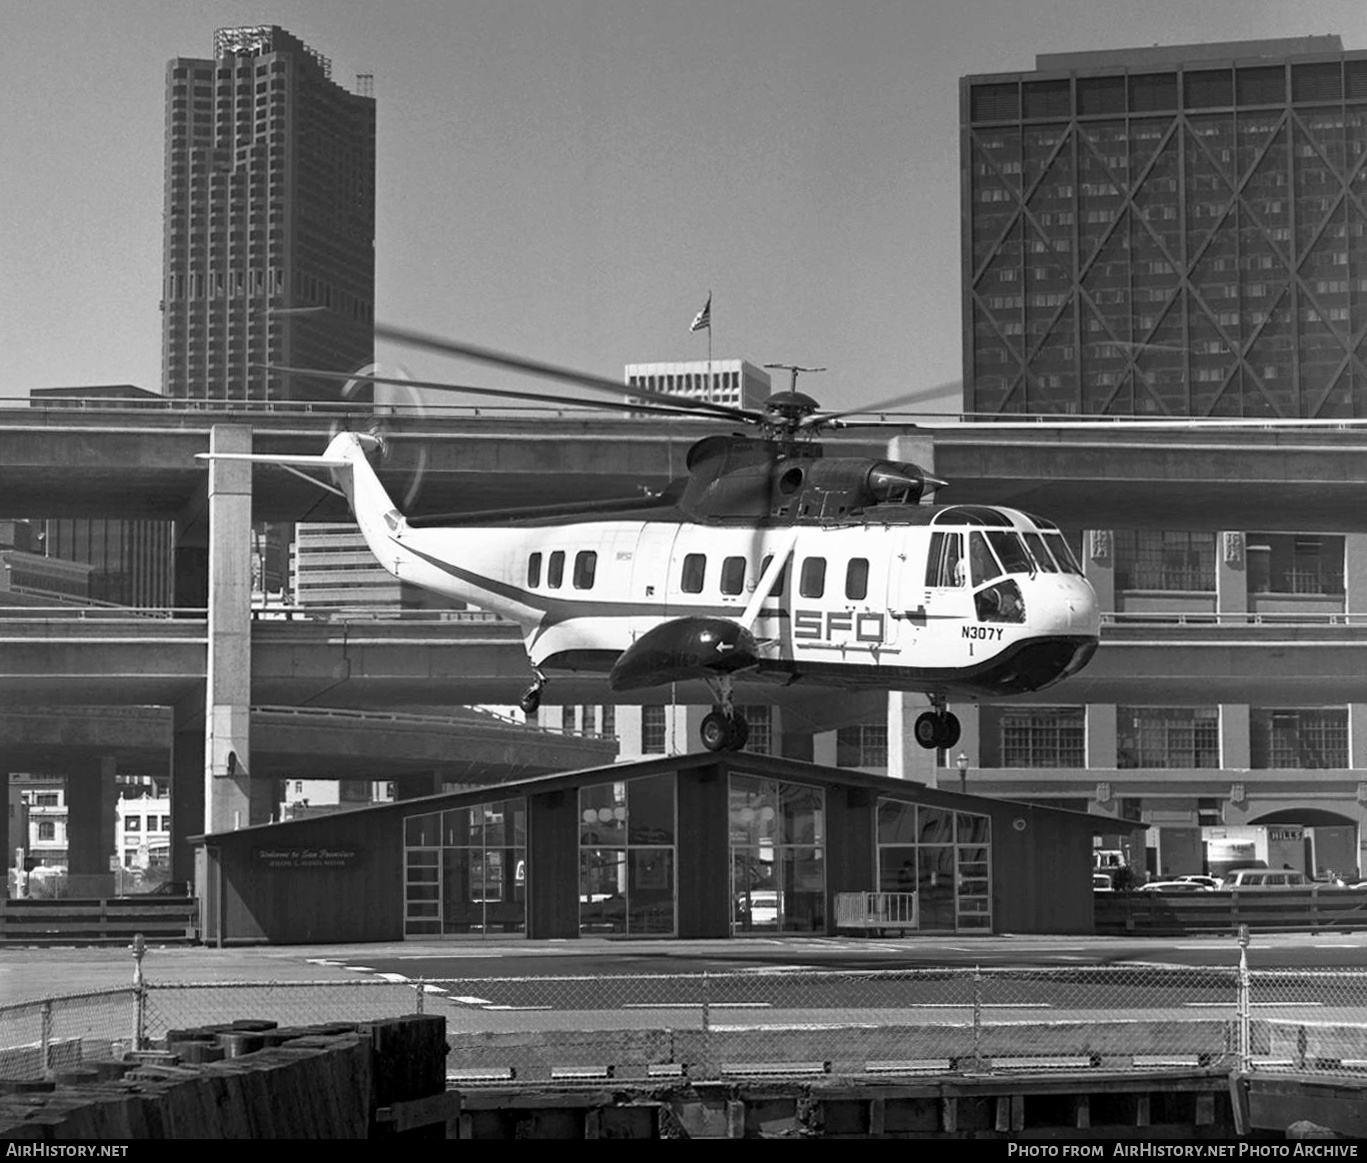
{"x": 1062, "y": 553}
{"x": 1040, "y": 552}
{"x": 1011, "y": 552}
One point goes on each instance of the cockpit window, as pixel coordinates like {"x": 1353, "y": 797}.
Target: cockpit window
{"x": 1062, "y": 553}
{"x": 1040, "y": 552}
{"x": 1011, "y": 552}
{"x": 982, "y": 564}
{"x": 1000, "y": 603}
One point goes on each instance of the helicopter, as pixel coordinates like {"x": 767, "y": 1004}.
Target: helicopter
{"x": 769, "y": 561}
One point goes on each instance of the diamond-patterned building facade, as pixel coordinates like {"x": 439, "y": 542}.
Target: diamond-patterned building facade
{"x": 1168, "y": 231}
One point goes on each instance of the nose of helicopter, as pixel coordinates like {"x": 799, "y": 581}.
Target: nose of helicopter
{"x": 1064, "y": 605}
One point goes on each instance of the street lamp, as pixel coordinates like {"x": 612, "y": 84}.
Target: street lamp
{"x": 961, "y": 762}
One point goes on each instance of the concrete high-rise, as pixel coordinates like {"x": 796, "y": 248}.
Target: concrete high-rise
{"x": 269, "y": 220}
{"x": 1168, "y": 231}
{"x": 1179, "y": 231}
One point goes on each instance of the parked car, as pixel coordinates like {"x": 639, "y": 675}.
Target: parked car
{"x": 1101, "y": 882}
{"x": 1174, "y": 886}
{"x": 1210, "y": 882}
{"x": 1267, "y": 878}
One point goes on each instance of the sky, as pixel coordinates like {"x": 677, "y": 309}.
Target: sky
{"x": 570, "y": 179}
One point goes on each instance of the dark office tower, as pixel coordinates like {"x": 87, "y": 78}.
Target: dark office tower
{"x": 269, "y": 220}
{"x": 1168, "y": 231}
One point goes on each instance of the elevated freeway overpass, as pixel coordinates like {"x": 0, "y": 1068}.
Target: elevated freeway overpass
{"x": 139, "y": 462}
{"x": 303, "y": 743}
{"x": 399, "y": 663}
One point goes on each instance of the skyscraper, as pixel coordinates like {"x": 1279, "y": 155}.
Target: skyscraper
{"x": 269, "y": 220}
{"x": 1168, "y": 231}
{"x": 1179, "y": 231}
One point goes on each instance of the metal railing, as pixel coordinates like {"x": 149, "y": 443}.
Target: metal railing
{"x": 766, "y": 1022}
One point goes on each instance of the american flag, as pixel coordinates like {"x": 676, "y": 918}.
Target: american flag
{"x": 702, "y": 321}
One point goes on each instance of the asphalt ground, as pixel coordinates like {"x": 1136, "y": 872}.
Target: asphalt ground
{"x": 32, "y": 973}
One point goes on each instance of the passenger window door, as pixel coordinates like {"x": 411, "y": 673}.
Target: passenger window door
{"x": 733, "y": 576}
{"x": 812, "y": 581}
{"x": 694, "y": 573}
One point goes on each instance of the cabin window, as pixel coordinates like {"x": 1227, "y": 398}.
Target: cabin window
{"x": 945, "y": 562}
{"x": 982, "y": 565}
{"x": 555, "y": 572}
{"x": 694, "y": 571}
{"x": 857, "y": 579}
{"x": 812, "y": 583}
{"x": 777, "y": 591}
{"x": 534, "y": 570}
{"x": 585, "y": 566}
{"x": 733, "y": 575}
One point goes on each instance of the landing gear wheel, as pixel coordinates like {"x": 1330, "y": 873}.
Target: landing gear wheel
{"x": 740, "y": 734}
{"x": 937, "y": 729}
{"x": 530, "y": 702}
{"x": 927, "y": 730}
{"x": 715, "y": 731}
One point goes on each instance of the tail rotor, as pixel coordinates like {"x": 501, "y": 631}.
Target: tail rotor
{"x": 391, "y": 396}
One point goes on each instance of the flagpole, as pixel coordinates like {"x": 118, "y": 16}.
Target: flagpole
{"x": 709, "y": 348}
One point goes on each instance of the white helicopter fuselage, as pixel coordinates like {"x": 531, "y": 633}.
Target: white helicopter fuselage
{"x": 967, "y": 600}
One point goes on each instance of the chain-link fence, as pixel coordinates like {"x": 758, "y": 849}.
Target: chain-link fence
{"x": 1305, "y": 1020}
{"x": 839, "y": 1022}
{"x": 40, "y": 1038}
{"x": 765, "y": 1022}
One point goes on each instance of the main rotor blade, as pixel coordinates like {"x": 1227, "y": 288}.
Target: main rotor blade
{"x": 508, "y": 393}
{"x": 886, "y": 405}
{"x": 535, "y": 367}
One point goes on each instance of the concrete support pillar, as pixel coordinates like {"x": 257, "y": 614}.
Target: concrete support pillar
{"x": 1098, "y": 563}
{"x": 1355, "y": 573}
{"x": 1357, "y": 736}
{"x": 90, "y": 816}
{"x": 227, "y": 751}
{"x": 1101, "y": 736}
{"x": 1231, "y": 574}
{"x": 627, "y": 724}
{"x": 907, "y": 759}
{"x": 1235, "y": 745}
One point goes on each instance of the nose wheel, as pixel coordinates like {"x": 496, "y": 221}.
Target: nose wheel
{"x": 937, "y": 728}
